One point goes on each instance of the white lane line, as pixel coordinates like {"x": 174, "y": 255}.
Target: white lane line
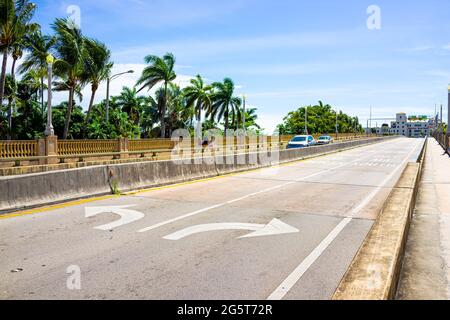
{"x": 158, "y": 225}
{"x": 293, "y": 278}
{"x": 297, "y": 274}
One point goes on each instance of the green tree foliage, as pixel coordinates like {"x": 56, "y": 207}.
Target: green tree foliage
{"x": 159, "y": 70}
{"x": 320, "y": 119}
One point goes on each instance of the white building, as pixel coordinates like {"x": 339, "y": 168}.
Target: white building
{"x": 414, "y": 127}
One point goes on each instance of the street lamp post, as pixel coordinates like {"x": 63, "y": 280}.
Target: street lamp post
{"x": 337, "y": 125}
{"x": 306, "y": 120}
{"x": 49, "y": 130}
{"x": 243, "y": 115}
{"x": 107, "y": 90}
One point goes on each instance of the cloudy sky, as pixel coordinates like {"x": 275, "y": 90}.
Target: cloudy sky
{"x": 282, "y": 54}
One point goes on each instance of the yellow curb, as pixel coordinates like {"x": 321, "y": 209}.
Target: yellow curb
{"x": 55, "y": 206}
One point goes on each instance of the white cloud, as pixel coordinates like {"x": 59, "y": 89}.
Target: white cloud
{"x": 126, "y": 80}
{"x": 207, "y": 47}
{"x": 447, "y": 47}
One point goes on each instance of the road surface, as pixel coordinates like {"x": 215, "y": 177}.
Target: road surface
{"x": 280, "y": 233}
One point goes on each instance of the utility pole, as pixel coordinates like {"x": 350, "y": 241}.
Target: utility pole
{"x": 370, "y": 122}
{"x": 306, "y": 120}
{"x": 337, "y": 125}
{"x": 243, "y": 116}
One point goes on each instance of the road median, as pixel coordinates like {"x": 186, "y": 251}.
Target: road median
{"x": 374, "y": 272}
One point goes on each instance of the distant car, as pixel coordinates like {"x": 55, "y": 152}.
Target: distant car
{"x": 301, "y": 142}
{"x": 325, "y": 140}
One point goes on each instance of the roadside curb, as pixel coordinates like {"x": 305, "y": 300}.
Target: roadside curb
{"x": 375, "y": 271}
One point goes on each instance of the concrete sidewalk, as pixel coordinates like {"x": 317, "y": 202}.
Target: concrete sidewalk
{"x": 426, "y": 270}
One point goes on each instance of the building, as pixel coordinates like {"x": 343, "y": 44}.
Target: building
{"x": 413, "y": 126}
{"x": 400, "y": 126}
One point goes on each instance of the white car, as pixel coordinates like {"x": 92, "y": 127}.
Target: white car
{"x": 325, "y": 140}
{"x": 301, "y": 142}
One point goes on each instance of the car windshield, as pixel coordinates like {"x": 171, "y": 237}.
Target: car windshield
{"x": 298, "y": 139}
{"x": 324, "y": 138}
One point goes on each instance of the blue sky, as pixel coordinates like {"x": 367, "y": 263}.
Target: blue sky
{"x": 286, "y": 53}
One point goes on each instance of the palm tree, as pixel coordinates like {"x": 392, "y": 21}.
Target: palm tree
{"x": 224, "y": 103}
{"x": 33, "y": 81}
{"x": 179, "y": 115}
{"x": 69, "y": 65}
{"x": 38, "y": 46}
{"x": 250, "y": 118}
{"x": 198, "y": 97}
{"x": 98, "y": 67}
{"x": 15, "y": 19}
{"x": 159, "y": 70}
{"x": 131, "y": 103}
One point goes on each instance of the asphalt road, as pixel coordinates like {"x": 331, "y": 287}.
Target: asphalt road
{"x": 326, "y": 205}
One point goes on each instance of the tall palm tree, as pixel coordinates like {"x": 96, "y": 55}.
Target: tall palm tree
{"x": 131, "y": 103}
{"x": 198, "y": 97}
{"x": 38, "y": 46}
{"x": 15, "y": 19}
{"x": 33, "y": 80}
{"x": 179, "y": 115}
{"x": 225, "y": 104}
{"x": 98, "y": 67}
{"x": 159, "y": 70}
{"x": 69, "y": 65}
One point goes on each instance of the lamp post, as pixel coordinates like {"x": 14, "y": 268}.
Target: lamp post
{"x": 306, "y": 120}
{"x": 337, "y": 125}
{"x": 107, "y": 90}
{"x": 49, "y": 130}
{"x": 243, "y": 115}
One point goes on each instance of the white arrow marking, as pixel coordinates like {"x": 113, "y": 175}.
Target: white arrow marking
{"x": 126, "y": 215}
{"x": 275, "y": 227}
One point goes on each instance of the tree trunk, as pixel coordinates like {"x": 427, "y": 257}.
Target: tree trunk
{"x": 3, "y": 75}
{"x": 226, "y": 123}
{"x": 91, "y": 104}
{"x": 68, "y": 114}
{"x": 163, "y": 112}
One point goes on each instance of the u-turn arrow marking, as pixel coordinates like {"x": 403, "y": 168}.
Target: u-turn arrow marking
{"x": 126, "y": 215}
{"x": 275, "y": 227}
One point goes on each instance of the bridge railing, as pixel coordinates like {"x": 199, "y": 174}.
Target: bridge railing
{"x": 53, "y": 151}
{"x": 443, "y": 140}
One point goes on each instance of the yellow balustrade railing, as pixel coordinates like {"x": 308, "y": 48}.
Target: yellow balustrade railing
{"x": 77, "y": 147}
{"x": 17, "y": 149}
{"x": 150, "y": 144}
{"x": 23, "y": 149}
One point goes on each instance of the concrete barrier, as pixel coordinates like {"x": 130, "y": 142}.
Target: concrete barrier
{"x": 37, "y": 189}
{"x": 374, "y": 273}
